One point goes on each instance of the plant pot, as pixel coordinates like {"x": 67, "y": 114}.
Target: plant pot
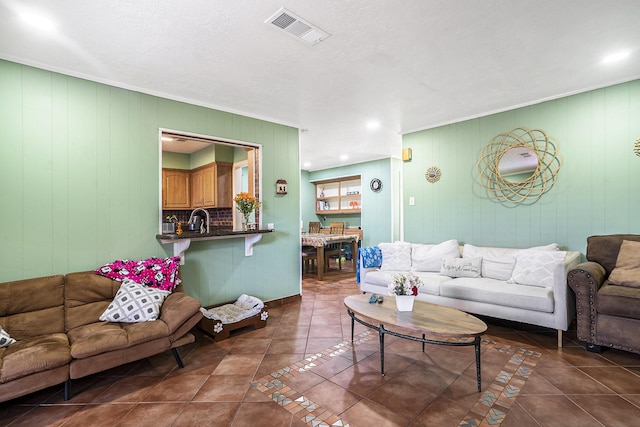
{"x": 405, "y": 302}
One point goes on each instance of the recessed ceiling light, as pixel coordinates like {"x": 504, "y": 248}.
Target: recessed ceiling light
{"x": 167, "y": 138}
{"x": 306, "y": 164}
{"x": 619, "y": 56}
{"x": 344, "y": 157}
{"x": 373, "y": 124}
{"x": 37, "y": 20}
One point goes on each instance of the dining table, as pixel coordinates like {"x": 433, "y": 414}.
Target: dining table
{"x": 321, "y": 240}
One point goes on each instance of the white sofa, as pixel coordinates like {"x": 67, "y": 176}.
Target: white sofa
{"x": 523, "y": 285}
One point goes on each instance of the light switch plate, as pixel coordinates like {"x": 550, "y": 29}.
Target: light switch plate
{"x": 412, "y": 201}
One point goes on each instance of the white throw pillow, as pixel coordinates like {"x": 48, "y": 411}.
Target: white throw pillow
{"x": 429, "y": 257}
{"x": 135, "y": 303}
{"x": 498, "y": 263}
{"x": 461, "y": 267}
{"x": 396, "y": 256}
{"x": 5, "y": 338}
{"x": 536, "y": 268}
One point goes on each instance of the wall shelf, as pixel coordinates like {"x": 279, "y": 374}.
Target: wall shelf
{"x": 339, "y": 196}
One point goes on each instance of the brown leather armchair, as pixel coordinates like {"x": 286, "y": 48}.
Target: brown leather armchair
{"x": 607, "y": 315}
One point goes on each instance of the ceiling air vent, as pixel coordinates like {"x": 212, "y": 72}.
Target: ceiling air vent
{"x": 297, "y": 27}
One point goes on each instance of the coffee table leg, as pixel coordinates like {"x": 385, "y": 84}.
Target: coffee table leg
{"x": 423, "y": 337}
{"x": 381, "y": 334}
{"x": 478, "y": 370}
{"x": 353, "y": 321}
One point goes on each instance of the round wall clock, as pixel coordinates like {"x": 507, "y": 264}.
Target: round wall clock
{"x": 376, "y": 185}
{"x": 433, "y": 174}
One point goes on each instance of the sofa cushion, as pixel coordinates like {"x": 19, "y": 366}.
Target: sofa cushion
{"x": 429, "y": 257}
{"x": 5, "y": 338}
{"x": 87, "y": 295}
{"x": 620, "y": 301}
{"x": 101, "y": 337}
{"x": 604, "y": 249}
{"x": 33, "y": 355}
{"x": 32, "y": 307}
{"x": 498, "y": 292}
{"x": 135, "y": 303}
{"x": 396, "y": 256}
{"x": 536, "y": 268}
{"x": 498, "y": 263}
{"x": 430, "y": 281}
{"x": 461, "y": 267}
{"x": 627, "y": 269}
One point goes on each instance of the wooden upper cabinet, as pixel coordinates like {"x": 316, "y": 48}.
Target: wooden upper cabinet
{"x": 211, "y": 186}
{"x": 176, "y": 189}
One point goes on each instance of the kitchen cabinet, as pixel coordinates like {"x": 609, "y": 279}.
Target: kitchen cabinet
{"x": 211, "y": 186}
{"x": 176, "y": 189}
{"x": 339, "y": 196}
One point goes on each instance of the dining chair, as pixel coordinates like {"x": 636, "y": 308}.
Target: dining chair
{"x": 314, "y": 227}
{"x": 309, "y": 258}
{"x": 309, "y": 253}
{"x": 331, "y": 249}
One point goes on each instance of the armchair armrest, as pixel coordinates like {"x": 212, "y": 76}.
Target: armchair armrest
{"x": 177, "y": 309}
{"x": 585, "y": 279}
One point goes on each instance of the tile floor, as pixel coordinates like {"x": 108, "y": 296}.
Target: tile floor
{"x": 303, "y": 370}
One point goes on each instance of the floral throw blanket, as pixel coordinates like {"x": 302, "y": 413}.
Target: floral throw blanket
{"x": 160, "y": 273}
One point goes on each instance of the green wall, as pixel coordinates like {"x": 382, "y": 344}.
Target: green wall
{"x": 377, "y": 213}
{"x": 80, "y": 173}
{"x": 597, "y": 191}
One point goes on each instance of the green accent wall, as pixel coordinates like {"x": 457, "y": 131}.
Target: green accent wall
{"x": 80, "y": 173}
{"x": 597, "y": 190}
{"x": 378, "y": 209}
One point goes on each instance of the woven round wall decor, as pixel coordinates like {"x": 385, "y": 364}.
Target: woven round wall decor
{"x": 433, "y": 174}
{"x": 526, "y": 191}
{"x": 636, "y": 147}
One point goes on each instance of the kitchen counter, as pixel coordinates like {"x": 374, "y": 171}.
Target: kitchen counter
{"x": 181, "y": 242}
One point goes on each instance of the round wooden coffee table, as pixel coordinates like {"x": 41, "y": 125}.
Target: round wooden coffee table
{"x": 432, "y": 323}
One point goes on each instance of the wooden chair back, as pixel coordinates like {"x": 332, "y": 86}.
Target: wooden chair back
{"x": 336, "y": 227}
{"x": 314, "y": 227}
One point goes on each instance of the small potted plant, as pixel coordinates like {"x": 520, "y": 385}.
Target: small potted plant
{"x": 405, "y": 288}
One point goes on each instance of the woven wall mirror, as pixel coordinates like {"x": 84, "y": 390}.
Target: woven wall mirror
{"x": 519, "y": 166}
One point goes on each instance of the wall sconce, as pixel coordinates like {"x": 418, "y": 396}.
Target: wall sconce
{"x": 281, "y": 186}
{"x": 636, "y": 147}
{"x": 406, "y": 154}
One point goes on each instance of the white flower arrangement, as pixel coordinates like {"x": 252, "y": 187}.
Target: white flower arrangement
{"x": 404, "y": 284}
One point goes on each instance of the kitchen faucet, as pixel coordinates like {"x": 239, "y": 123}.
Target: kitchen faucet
{"x": 192, "y": 219}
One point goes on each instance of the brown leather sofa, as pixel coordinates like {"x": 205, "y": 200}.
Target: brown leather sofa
{"x": 607, "y": 315}
{"x": 60, "y": 338}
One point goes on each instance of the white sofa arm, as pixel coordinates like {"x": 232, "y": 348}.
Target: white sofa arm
{"x": 564, "y": 300}
{"x": 364, "y": 270}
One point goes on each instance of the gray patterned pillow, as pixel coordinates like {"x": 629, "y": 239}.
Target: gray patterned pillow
{"x": 5, "y": 338}
{"x": 135, "y": 303}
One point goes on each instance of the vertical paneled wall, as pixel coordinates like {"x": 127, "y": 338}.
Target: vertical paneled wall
{"x": 79, "y": 173}
{"x": 377, "y": 210}
{"x": 597, "y": 191}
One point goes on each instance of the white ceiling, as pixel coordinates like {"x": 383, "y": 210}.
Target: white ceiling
{"x": 410, "y": 64}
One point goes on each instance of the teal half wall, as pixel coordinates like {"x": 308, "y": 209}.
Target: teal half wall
{"x": 597, "y": 190}
{"x": 80, "y": 174}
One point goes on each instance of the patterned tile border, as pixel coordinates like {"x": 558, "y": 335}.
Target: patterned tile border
{"x": 490, "y": 409}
